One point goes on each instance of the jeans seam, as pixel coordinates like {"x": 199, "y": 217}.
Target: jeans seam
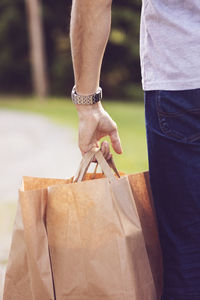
{"x": 171, "y": 137}
{"x": 175, "y": 114}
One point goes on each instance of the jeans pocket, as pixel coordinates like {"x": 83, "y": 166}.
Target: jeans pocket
{"x": 179, "y": 114}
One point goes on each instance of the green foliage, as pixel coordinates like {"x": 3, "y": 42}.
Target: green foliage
{"x": 121, "y": 67}
{"x": 121, "y": 64}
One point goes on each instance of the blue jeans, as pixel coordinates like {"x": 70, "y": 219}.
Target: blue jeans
{"x": 173, "y": 138}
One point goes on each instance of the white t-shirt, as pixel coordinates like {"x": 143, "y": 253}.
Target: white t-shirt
{"x": 170, "y": 44}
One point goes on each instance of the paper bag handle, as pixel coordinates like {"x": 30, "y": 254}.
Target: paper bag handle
{"x": 84, "y": 165}
{"x": 105, "y": 166}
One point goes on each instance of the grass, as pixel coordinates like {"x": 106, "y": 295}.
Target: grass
{"x": 129, "y": 117}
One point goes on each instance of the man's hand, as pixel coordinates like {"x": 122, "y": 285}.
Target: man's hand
{"x": 89, "y": 33}
{"x": 95, "y": 123}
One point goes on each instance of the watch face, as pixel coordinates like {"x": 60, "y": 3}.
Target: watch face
{"x": 96, "y": 98}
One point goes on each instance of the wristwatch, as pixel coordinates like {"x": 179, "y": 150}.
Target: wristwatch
{"x": 89, "y": 99}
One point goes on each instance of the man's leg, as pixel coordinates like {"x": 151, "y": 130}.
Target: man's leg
{"x": 173, "y": 137}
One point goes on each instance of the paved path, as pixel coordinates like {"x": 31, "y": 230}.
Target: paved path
{"x": 29, "y": 145}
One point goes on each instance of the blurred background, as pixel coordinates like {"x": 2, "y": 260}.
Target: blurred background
{"x": 38, "y": 123}
{"x": 41, "y": 29}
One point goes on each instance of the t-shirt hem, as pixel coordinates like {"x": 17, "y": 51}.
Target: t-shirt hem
{"x": 171, "y": 85}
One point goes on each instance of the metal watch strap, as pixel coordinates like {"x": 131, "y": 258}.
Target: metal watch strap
{"x": 89, "y": 99}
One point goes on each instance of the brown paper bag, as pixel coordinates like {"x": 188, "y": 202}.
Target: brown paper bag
{"x": 29, "y": 273}
{"x": 141, "y": 190}
{"x": 78, "y": 240}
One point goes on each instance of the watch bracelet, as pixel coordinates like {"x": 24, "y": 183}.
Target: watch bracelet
{"x": 86, "y": 100}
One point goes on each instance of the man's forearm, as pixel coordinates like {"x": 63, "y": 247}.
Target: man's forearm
{"x": 89, "y": 32}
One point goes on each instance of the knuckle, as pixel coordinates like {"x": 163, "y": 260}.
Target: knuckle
{"x": 115, "y": 125}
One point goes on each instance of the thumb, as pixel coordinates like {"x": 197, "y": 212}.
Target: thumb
{"x": 115, "y": 140}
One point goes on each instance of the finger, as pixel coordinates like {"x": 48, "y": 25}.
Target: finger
{"x": 115, "y": 140}
{"x": 104, "y": 148}
{"x": 86, "y": 148}
{"x": 96, "y": 145}
{"x": 107, "y": 150}
{"x": 109, "y": 156}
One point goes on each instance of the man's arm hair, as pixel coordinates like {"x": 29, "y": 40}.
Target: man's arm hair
{"x": 89, "y": 33}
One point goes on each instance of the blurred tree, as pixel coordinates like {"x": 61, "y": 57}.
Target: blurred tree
{"x": 14, "y": 58}
{"x": 56, "y": 26}
{"x": 37, "y": 51}
{"x": 121, "y": 67}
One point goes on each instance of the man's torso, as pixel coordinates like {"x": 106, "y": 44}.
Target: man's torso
{"x": 170, "y": 44}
